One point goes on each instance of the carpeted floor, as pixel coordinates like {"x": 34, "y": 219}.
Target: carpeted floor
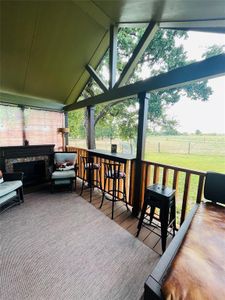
{"x": 58, "y": 246}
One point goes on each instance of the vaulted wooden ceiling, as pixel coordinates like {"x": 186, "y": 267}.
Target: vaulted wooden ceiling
{"x": 45, "y": 45}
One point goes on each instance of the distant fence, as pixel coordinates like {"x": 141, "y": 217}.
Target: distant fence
{"x": 186, "y": 147}
{"x": 162, "y": 144}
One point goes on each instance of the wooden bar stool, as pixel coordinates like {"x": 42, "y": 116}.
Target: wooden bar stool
{"x": 112, "y": 171}
{"x": 162, "y": 197}
{"x": 89, "y": 168}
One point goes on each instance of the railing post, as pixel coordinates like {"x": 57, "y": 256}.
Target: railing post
{"x": 185, "y": 197}
{"x": 91, "y": 127}
{"x": 142, "y": 126}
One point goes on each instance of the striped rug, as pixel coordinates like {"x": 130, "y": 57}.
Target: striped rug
{"x": 58, "y": 246}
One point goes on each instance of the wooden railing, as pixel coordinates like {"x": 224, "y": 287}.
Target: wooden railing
{"x": 125, "y": 167}
{"x": 187, "y": 183}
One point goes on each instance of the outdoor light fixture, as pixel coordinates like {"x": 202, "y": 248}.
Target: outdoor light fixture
{"x": 63, "y": 131}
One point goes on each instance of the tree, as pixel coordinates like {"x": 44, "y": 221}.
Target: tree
{"x": 76, "y": 123}
{"x": 161, "y": 55}
{"x": 169, "y": 127}
{"x": 198, "y": 132}
{"x": 214, "y": 50}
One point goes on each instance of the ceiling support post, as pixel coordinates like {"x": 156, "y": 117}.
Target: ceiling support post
{"x": 22, "y": 107}
{"x": 91, "y": 127}
{"x": 142, "y": 127}
{"x": 66, "y": 120}
{"x": 112, "y": 55}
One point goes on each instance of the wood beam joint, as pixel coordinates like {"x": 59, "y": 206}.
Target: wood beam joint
{"x": 96, "y": 78}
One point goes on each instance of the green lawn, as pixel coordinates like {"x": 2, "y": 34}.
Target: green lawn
{"x": 196, "y": 162}
{"x": 190, "y": 161}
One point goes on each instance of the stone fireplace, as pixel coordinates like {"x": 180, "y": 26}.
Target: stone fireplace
{"x": 34, "y": 161}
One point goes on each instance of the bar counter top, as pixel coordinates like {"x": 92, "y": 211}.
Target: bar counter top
{"x": 112, "y": 156}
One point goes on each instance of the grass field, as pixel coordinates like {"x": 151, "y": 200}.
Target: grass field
{"x": 190, "y": 161}
{"x": 195, "y": 162}
{"x": 198, "y": 152}
{"x": 202, "y": 153}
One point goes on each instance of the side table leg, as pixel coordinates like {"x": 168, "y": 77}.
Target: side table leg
{"x": 164, "y": 211}
{"x": 141, "y": 218}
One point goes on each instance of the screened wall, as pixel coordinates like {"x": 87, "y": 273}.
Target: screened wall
{"x": 36, "y": 126}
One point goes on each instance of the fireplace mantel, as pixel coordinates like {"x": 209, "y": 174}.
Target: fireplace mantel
{"x": 25, "y": 151}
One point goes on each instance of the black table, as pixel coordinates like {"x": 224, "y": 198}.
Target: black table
{"x": 120, "y": 157}
{"x": 125, "y": 159}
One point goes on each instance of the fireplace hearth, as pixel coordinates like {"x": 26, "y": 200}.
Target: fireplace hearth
{"x": 34, "y": 171}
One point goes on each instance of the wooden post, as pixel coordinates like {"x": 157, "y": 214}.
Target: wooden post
{"x": 112, "y": 55}
{"x": 91, "y": 127}
{"x": 142, "y": 126}
{"x": 23, "y": 124}
{"x": 189, "y": 147}
{"x": 66, "y": 126}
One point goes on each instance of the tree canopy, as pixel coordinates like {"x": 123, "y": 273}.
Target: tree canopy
{"x": 162, "y": 55}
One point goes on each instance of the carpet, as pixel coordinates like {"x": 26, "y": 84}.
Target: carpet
{"x": 58, "y": 246}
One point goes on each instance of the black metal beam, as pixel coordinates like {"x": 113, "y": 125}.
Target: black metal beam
{"x": 142, "y": 127}
{"x": 217, "y": 26}
{"x": 112, "y": 55}
{"x": 91, "y": 125}
{"x": 198, "y": 29}
{"x": 208, "y": 68}
{"x": 137, "y": 53}
{"x": 96, "y": 78}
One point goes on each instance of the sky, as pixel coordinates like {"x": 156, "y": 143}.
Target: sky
{"x": 208, "y": 117}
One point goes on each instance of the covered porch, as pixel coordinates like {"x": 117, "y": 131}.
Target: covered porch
{"x": 60, "y": 246}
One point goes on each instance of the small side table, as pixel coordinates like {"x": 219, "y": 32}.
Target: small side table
{"x": 162, "y": 197}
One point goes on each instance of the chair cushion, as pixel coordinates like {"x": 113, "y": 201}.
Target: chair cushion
{"x": 65, "y": 166}
{"x": 64, "y": 157}
{"x": 117, "y": 175}
{"x": 9, "y": 186}
{"x": 1, "y": 177}
{"x": 7, "y": 197}
{"x": 62, "y": 181}
{"x": 63, "y": 174}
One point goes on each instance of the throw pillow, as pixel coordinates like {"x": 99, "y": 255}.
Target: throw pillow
{"x": 1, "y": 177}
{"x": 64, "y": 167}
{"x": 69, "y": 163}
